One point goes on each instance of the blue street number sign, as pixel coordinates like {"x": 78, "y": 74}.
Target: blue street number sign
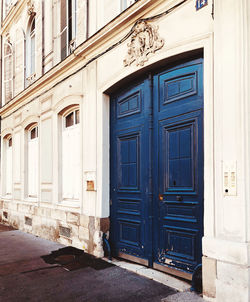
{"x": 200, "y": 3}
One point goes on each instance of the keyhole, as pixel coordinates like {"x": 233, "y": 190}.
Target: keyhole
{"x": 174, "y": 183}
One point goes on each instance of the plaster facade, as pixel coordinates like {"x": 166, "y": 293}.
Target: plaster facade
{"x": 86, "y": 77}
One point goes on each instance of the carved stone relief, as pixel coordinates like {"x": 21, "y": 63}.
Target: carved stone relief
{"x": 144, "y": 40}
{"x": 30, "y": 8}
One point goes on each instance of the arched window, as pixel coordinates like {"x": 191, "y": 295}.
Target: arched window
{"x": 32, "y": 161}
{"x": 68, "y": 26}
{"x": 30, "y": 52}
{"x": 71, "y": 178}
{"x": 8, "y": 165}
{"x": 8, "y": 72}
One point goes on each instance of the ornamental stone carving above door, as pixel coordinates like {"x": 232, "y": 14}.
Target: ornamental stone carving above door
{"x": 30, "y": 8}
{"x": 144, "y": 40}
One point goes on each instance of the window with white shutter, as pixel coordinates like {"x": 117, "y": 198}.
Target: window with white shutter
{"x": 68, "y": 26}
{"x": 8, "y": 167}
{"x": 71, "y": 178}
{"x": 33, "y": 162}
{"x": 8, "y": 72}
{"x": 30, "y": 52}
{"x": 19, "y": 61}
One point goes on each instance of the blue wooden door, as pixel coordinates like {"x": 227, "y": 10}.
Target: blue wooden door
{"x": 157, "y": 168}
{"x": 130, "y": 111}
{"x": 178, "y": 141}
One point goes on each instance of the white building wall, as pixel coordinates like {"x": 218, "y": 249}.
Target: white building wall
{"x": 229, "y": 244}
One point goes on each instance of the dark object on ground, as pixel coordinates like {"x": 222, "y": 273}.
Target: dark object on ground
{"x": 25, "y": 277}
{"x": 72, "y": 258}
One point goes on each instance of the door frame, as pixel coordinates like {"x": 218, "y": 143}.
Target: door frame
{"x": 152, "y": 227}
{"x": 201, "y": 46}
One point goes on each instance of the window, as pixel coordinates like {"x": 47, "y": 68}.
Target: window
{"x": 8, "y": 72}
{"x": 8, "y": 166}
{"x": 30, "y": 52}
{"x": 71, "y": 178}
{"x": 32, "y": 162}
{"x": 68, "y": 26}
{"x": 72, "y": 119}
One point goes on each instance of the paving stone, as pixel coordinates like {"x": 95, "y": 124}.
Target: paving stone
{"x": 164, "y": 279}
{"x": 183, "y": 297}
{"x": 24, "y": 276}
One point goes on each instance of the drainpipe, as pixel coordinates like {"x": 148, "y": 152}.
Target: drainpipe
{"x": 197, "y": 279}
{"x": 105, "y": 241}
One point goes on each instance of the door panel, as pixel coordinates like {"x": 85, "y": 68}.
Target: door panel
{"x": 178, "y": 90}
{"x": 157, "y": 168}
{"x": 179, "y": 209}
{"x": 129, "y": 173}
{"x": 178, "y": 130}
{"x": 128, "y": 162}
{"x": 179, "y": 165}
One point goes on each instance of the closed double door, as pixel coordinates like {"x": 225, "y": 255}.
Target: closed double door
{"x": 156, "y": 171}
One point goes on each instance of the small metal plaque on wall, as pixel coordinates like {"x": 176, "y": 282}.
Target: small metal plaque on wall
{"x": 201, "y": 3}
{"x": 90, "y": 185}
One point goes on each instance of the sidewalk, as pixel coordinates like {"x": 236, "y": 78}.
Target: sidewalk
{"x": 66, "y": 274}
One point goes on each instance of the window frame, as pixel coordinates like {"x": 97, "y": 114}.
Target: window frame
{"x": 70, "y": 28}
{"x": 32, "y": 41}
{"x": 71, "y": 202}
{"x": 8, "y": 143}
{"x": 30, "y": 49}
{"x": 30, "y": 140}
{"x": 10, "y": 79}
{"x": 35, "y": 127}
{"x": 75, "y": 122}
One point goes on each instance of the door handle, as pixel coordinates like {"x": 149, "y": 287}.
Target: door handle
{"x": 179, "y": 198}
{"x": 161, "y": 198}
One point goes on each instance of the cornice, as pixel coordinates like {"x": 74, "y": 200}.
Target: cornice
{"x": 102, "y": 39}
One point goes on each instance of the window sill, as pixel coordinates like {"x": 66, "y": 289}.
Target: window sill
{"x": 69, "y": 203}
{"x": 31, "y": 199}
{"x": 7, "y": 197}
{"x": 30, "y": 79}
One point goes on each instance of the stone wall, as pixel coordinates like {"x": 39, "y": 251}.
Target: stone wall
{"x": 69, "y": 228}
